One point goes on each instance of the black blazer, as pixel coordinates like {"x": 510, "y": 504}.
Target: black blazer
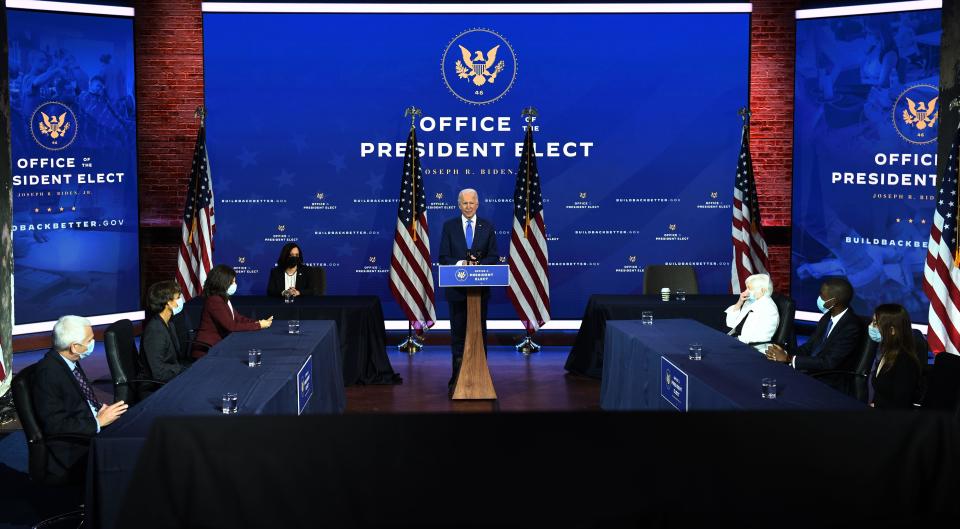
{"x": 160, "y": 347}
{"x": 275, "y": 286}
{"x": 896, "y": 387}
{"x": 838, "y": 349}
{"x": 61, "y": 409}
{"x": 453, "y": 248}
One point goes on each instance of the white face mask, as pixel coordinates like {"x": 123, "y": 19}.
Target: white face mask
{"x": 179, "y": 307}
{"x": 232, "y": 290}
{"x": 89, "y": 350}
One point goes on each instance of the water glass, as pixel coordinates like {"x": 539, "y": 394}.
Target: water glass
{"x": 696, "y": 351}
{"x": 646, "y": 317}
{"x": 293, "y": 327}
{"x": 680, "y": 294}
{"x": 665, "y": 294}
{"x": 229, "y": 403}
{"x": 769, "y": 388}
{"x": 287, "y": 296}
{"x": 254, "y": 357}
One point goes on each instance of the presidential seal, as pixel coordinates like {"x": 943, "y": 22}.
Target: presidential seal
{"x": 915, "y": 114}
{"x": 479, "y": 66}
{"x": 53, "y": 126}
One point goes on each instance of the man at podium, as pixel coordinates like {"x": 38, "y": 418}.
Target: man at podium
{"x": 466, "y": 240}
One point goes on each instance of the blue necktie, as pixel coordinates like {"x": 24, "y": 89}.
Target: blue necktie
{"x": 469, "y": 233}
{"x": 824, "y": 339}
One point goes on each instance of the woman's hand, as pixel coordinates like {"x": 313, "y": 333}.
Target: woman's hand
{"x": 266, "y": 323}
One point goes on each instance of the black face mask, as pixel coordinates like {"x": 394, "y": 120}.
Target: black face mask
{"x": 292, "y": 261}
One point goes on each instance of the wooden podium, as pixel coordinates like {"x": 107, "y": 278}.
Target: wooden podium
{"x": 474, "y": 382}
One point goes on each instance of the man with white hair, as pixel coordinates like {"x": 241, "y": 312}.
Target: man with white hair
{"x": 466, "y": 240}
{"x": 63, "y": 397}
{"x": 754, "y": 317}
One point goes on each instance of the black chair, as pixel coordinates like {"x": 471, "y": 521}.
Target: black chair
{"x": 318, "y": 278}
{"x": 41, "y": 461}
{"x": 943, "y": 384}
{"x": 853, "y": 377}
{"x": 785, "y": 335}
{"x": 656, "y": 277}
{"x": 125, "y": 364}
{"x": 922, "y": 348}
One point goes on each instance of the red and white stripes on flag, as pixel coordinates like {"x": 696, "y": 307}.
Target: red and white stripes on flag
{"x": 529, "y": 285}
{"x": 411, "y": 271}
{"x": 750, "y": 254}
{"x": 199, "y": 225}
{"x": 941, "y": 275}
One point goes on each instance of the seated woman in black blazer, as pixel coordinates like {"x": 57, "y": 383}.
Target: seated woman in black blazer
{"x": 290, "y": 275}
{"x": 896, "y": 372}
{"x": 159, "y": 343}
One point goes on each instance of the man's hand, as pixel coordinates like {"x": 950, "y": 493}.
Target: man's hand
{"x": 108, "y": 414}
{"x": 777, "y": 354}
{"x": 266, "y": 323}
{"x": 293, "y": 291}
{"x": 743, "y": 297}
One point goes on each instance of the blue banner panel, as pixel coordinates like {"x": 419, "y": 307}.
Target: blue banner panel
{"x": 865, "y": 156}
{"x": 473, "y": 276}
{"x": 637, "y": 135}
{"x": 73, "y": 141}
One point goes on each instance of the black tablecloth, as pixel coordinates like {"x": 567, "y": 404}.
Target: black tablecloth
{"x": 748, "y": 469}
{"x": 270, "y": 389}
{"x": 586, "y": 357}
{"x": 360, "y": 328}
{"x": 727, "y": 378}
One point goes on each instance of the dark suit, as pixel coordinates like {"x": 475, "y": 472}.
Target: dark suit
{"x": 276, "y": 285}
{"x": 836, "y": 351}
{"x": 453, "y": 248}
{"x": 896, "y": 387}
{"x": 61, "y": 408}
{"x": 160, "y": 347}
{"x": 217, "y": 321}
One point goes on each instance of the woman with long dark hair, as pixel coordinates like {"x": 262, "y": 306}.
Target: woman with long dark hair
{"x": 290, "y": 276}
{"x": 219, "y": 319}
{"x": 896, "y": 374}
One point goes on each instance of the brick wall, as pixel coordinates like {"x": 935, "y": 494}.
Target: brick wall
{"x": 169, "y": 56}
{"x": 169, "y": 50}
{"x": 772, "y": 43}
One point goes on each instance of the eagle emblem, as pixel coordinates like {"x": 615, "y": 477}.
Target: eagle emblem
{"x": 583, "y": 194}
{"x": 439, "y": 196}
{"x": 242, "y": 259}
{"x": 673, "y": 227}
{"x": 480, "y": 68}
{"x": 713, "y": 194}
{"x": 921, "y": 115}
{"x": 373, "y": 259}
{"x": 320, "y": 196}
{"x": 282, "y": 228}
{"x": 54, "y": 126}
{"x": 632, "y": 258}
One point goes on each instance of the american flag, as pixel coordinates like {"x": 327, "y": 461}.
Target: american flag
{"x": 196, "y": 244}
{"x": 750, "y": 255}
{"x": 529, "y": 285}
{"x": 411, "y": 272}
{"x": 941, "y": 277}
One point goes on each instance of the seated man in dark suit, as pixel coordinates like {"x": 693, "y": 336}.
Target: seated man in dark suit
{"x": 837, "y": 336}
{"x": 466, "y": 239}
{"x": 63, "y": 396}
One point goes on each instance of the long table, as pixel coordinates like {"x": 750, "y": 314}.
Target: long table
{"x": 638, "y": 359}
{"x": 360, "y": 328}
{"x": 270, "y": 389}
{"x": 586, "y": 357}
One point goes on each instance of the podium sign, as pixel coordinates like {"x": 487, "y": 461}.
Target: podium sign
{"x": 474, "y": 382}
{"x": 474, "y": 275}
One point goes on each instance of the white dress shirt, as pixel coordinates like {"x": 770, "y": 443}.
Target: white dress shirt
{"x": 835, "y": 319}
{"x": 71, "y": 365}
{"x": 762, "y": 323}
{"x": 289, "y": 281}
{"x": 463, "y": 224}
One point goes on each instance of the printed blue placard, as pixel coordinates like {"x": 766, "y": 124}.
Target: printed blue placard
{"x": 304, "y": 384}
{"x": 474, "y": 275}
{"x": 673, "y": 385}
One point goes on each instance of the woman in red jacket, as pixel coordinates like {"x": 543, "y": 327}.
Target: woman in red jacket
{"x": 218, "y": 318}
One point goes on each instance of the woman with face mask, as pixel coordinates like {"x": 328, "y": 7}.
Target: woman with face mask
{"x": 896, "y": 372}
{"x": 754, "y": 318}
{"x": 159, "y": 344}
{"x": 290, "y": 276}
{"x": 219, "y": 319}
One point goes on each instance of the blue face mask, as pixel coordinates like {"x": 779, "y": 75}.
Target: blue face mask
{"x": 752, "y": 297}
{"x": 176, "y": 310}
{"x": 232, "y": 290}
{"x": 89, "y": 350}
{"x": 874, "y": 333}
{"x": 822, "y": 305}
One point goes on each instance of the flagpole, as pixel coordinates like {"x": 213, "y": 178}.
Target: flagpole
{"x": 955, "y": 105}
{"x": 411, "y": 345}
{"x": 527, "y": 345}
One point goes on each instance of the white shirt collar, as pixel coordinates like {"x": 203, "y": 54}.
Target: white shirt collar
{"x": 70, "y": 363}
{"x": 838, "y": 316}
{"x": 463, "y": 219}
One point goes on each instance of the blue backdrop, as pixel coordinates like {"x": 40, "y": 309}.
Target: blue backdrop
{"x": 865, "y": 156}
{"x": 73, "y": 138}
{"x": 643, "y": 117}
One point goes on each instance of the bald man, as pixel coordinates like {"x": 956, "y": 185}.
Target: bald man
{"x": 466, "y": 240}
